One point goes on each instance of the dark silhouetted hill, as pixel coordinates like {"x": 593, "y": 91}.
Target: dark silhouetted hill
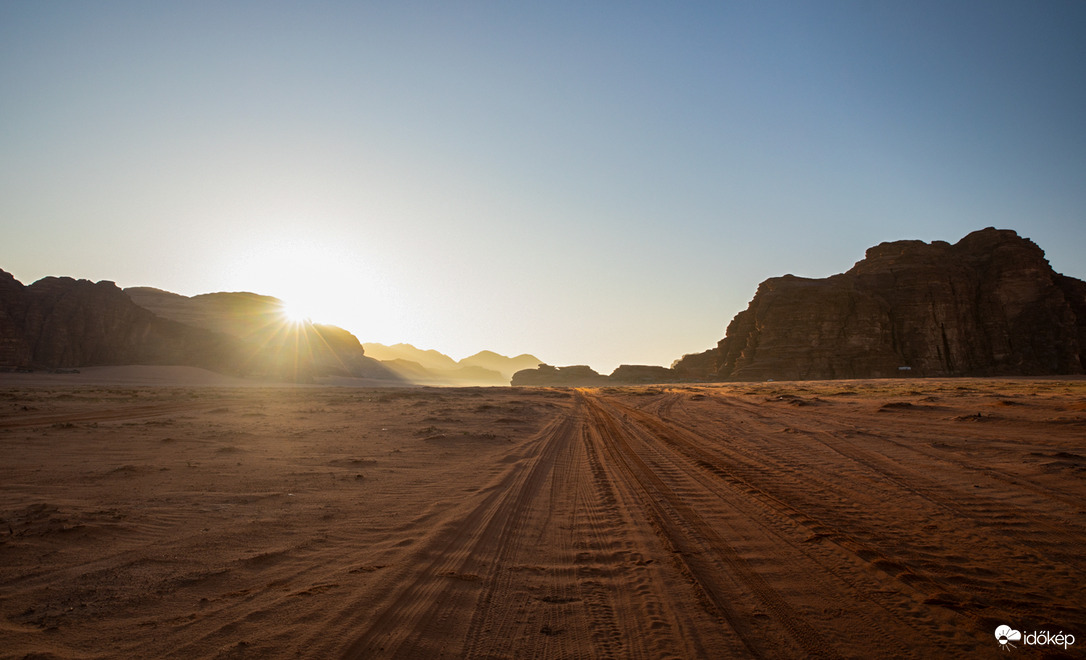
{"x": 60, "y": 322}
{"x": 239, "y": 314}
{"x": 428, "y": 359}
{"x": 65, "y": 323}
{"x": 274, "y": 347}
{"x": 546, "y": 375}
{"x": 432, "y": 367}
{"x": 583, "y": 376}
{"x": 506, "y": 366}
{"x": 988, "y": 305}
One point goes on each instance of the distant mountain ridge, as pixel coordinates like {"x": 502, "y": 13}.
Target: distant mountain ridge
{"x": 988, "y": 305}
{"x": 506, "y": 366}
{"x": 60, "y": 322}
{"x": 428, "y": 359}
{"x": 434, "y": 367}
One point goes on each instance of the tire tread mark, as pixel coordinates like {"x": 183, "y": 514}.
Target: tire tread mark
{"x": 681, "y": 525}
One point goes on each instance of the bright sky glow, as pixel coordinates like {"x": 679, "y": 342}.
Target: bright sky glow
{"x": 296, "y": 313}
{"x": 591, "y": 183}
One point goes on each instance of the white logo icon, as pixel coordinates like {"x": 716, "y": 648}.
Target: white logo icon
{"x": 1005, "y": 635}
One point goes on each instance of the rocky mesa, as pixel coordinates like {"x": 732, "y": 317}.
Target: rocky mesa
{"x": 585, "y": 376}
{"x": 273, "y": 347}
{"x": 988, "y": 305}
{"x": 60, "y": 322}
{"x": 545, "y": 375}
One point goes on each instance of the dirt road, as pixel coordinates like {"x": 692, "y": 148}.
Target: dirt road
{"x": 767, "y": 521}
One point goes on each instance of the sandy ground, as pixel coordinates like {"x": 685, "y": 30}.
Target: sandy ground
{"x": 140, "y": 375}
{"x": 780, "y": 520}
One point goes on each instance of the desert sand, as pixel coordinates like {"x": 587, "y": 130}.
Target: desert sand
{"x": 903, "y": 518}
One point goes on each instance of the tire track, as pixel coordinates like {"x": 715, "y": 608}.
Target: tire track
{"x": 693, "y": 540}
{"x": 649, "y": 528}
{"x": 415, "y": 620}
{"x": 741, "y": 482}
{"x": 928, "y": 569}
{"x": 553, "y": 561}
{"x": 854, "y": 417}
{"x": 962, "y": 504}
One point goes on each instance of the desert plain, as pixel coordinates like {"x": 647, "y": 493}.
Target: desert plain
{"x": 144, "y": 517}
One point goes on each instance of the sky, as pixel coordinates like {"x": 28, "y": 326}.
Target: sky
{"x": 594, "y": 183}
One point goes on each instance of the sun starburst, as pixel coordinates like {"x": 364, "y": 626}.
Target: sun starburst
{"x": 295, "y": 313}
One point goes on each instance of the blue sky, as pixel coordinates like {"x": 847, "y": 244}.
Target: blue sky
{"x": 596, "y": 184}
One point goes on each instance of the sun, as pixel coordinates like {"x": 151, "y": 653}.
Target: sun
{"x": 295, "y": 313}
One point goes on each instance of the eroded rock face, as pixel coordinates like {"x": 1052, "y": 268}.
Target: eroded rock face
{"x": 583, "y": 376}
{"x": 15, "y": 350}
{"x": 697, "y": 366}
{"x": 1075, "y": 292}
{"x": 60, "y": 322}
{"x": 545, "y": 374}
{"x": 239, "y": 314}
{"x": 988, "y": 305}
{"x": 634, "y": 374}
{"x": 271, "y": 346}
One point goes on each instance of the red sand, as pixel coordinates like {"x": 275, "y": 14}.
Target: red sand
{"x": 833, "y": 519}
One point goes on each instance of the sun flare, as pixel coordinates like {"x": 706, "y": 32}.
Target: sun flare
{"x": 295, "y": 313}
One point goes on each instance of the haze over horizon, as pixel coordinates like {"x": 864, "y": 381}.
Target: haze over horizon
{"x": 593, "y": 185}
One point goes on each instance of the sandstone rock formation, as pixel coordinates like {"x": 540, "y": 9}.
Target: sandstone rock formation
{"x": 546, "y": 375}
{"x": 272, "y": 346}
{"x": 59, "y": 322}
{"x": 583, "y": 376}
{"x": 988, "y": 305}
{"x": 239, "y": 314}
{"x": 634, "y": 374}
{"x": 697, "y": 366}
{"x": 63, "y": 323}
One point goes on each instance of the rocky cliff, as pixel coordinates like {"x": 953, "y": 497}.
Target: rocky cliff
{"x": 239, "y": 314}
{"x": 60, "y": 322}
{"x": 988, "y": 305}
{"x": 546, "y": 375}
{"x": 584, "y": 376}
{"x": 270, "y": 345}
{"x": 635, "y": 374}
